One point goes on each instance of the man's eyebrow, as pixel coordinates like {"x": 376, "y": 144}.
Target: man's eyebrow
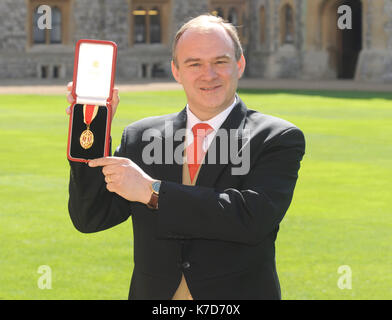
{"x": 224, "y": 56}
{"x": 191, "y": 60}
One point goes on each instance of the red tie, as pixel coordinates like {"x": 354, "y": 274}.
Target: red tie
{"x": 195, "y": 152}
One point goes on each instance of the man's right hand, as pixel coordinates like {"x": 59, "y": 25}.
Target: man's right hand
{"x": 115, "y": 99}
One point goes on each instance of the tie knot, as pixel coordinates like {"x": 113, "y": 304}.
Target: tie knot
{"x": 201, "y": 129}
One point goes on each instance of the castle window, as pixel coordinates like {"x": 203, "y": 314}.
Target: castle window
{"x": 44, "y": 72}
{"x": 287, "y": 24}
{"x": 139, "y": 25}
{"x": 155, "y": 25}
{"x": 39, "y": 35}
{"x": 147, "y": 21}
{"x": 56, "y": 72}
{"x": 55, "y": 32}
{"x": 59, "y": 13}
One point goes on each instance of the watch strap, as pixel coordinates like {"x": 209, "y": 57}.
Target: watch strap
{"x": 153, "y": 203}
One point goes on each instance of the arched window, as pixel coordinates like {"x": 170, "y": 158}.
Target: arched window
{"x": 262, "y": 24}
{"x": 155, "y": 25}
{"x": 287, "y": 24}
{"x": 38, "y": 34}
{"x": 55, "y": 32}
{"x": 139, "y": 16}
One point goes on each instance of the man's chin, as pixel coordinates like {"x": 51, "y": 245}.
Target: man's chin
{"x": 217, "y": 104}
{"x": 211, "y": 105}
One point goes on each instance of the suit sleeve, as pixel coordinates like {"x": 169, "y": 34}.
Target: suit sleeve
{"x": 245, "y": 216}
{"x": 91, "y": 206}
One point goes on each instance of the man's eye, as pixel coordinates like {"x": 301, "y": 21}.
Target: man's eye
{"x": 220, "y": 62}
{"x": 195, "y": 65}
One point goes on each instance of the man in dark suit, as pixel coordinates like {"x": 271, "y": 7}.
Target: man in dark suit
{"x": 201, "y": 230}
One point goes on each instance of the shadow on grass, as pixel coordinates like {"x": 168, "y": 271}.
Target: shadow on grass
{"x": 322, "y": 93}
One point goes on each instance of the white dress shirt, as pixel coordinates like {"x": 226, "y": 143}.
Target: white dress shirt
{"x": 215, "y": 123}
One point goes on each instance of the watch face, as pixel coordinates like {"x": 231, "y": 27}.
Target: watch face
{"x": 155, "y": 186}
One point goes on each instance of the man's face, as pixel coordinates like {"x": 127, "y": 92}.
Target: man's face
{"x": 208, "y": 70}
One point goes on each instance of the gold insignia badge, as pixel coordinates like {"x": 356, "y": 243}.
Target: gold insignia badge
{"x": 87, "y": 137}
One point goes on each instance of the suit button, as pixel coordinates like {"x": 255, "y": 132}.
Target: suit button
{"x": 186, "y": 265}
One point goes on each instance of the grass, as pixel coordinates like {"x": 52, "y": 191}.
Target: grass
{"x": 340, "y": 213}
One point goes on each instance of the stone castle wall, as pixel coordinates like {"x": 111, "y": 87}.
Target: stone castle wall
{"x": 110, "y": 19}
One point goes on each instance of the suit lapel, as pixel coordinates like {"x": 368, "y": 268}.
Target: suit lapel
{"x": 170, "y": 169}
{"x": 211, "y": 170}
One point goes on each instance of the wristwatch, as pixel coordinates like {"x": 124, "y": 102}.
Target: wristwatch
{"x": 153, "y": 203}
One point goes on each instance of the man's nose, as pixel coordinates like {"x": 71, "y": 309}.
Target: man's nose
{"x": 209, "y": 72}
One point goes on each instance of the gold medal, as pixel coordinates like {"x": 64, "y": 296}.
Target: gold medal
{"x": 87, "y": 137}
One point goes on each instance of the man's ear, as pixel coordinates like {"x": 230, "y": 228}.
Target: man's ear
{"x": 175, "y": 72}
{"x": 241, "y": 63}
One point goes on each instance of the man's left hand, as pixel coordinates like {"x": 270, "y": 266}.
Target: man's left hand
{"x": 125, "y": 178}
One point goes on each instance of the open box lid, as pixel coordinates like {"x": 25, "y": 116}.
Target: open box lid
{"x": 94, "y": 71}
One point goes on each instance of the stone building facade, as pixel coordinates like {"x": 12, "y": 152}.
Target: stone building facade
{"x": 281, "y": 38}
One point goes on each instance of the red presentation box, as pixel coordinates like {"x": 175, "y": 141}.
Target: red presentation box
{"x": 91, "y": 112}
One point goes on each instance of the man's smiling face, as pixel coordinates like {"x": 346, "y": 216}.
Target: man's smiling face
{"x": 207, "y": 69}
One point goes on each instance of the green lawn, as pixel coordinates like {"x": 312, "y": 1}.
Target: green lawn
{"x": 340, "y": 213}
